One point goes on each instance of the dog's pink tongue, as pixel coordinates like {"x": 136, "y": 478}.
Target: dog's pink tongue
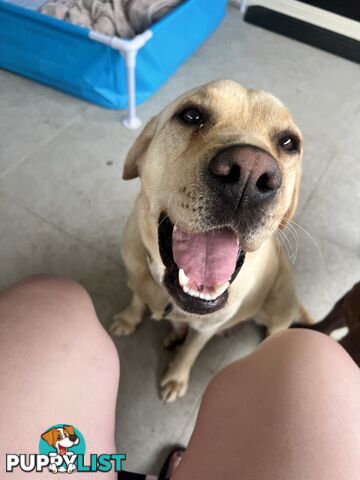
{"x": 208, "y": 258}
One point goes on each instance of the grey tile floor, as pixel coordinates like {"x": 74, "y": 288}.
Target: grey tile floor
{"x": 63, "y": 204}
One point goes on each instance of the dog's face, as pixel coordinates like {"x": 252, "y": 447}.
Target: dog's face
{"x": 220, "y": 168}
{"x": 61, "y": 438}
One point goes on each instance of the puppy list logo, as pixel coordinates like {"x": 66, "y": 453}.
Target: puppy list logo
{"x": 61, "y": 443}
{"x": 62, "y": 450}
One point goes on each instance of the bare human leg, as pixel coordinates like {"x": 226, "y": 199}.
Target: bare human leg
{"x": 57, "y": 364}
{"x": 288, "y": 411}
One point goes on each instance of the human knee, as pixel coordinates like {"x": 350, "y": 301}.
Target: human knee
{"x": 73, "y": 312}
{"x": 306, "y": 348}
{"x": 78, "y": 316}
{"x": 60, "y": 310}
{"x": 43, "y": 283}
{"x": 291, "y": 355}
{"x": 54, "y": 294}
{"x": 55, "y": 303}
{"x": 302, "y": 354}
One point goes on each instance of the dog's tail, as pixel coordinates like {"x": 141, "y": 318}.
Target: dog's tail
{"x": 342, "y": 322}
{"x": 332, "y": 321}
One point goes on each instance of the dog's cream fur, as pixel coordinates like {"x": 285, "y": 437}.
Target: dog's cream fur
{"x": 168, "y": 156}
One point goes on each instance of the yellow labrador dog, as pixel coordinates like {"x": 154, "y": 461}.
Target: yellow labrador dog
{"x": 220, "y": 172}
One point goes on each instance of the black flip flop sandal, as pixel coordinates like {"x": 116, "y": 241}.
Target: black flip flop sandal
{"x": 163, "y": 475}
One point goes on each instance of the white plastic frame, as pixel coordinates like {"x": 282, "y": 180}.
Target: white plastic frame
{"x": 129, "y": 50}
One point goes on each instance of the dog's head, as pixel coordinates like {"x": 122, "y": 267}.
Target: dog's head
{"x": 61, "y": 438}
{"x": 220, "y": 168}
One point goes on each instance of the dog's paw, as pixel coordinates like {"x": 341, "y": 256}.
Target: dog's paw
{"x": 172, "y": 390}
{"x": 173, "y": 386}
{"x": 71, "y": 468}
{"x": 53, "y": 468}
{"x": 121, "y": 326}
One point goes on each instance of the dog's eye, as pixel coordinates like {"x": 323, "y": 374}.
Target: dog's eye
{"x": 192, "y": 116}
{"x": 288, "y": 143}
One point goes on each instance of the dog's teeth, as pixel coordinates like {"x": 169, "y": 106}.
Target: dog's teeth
{"x": 193, "y": 293}
{"x": 221, "y": 289}
{"x": 183, "y": 279}
{"x": 175, "y": 228}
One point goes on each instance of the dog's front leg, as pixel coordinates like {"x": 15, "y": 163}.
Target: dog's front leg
{"x": 52, "y": 467}
{"x": 145, "y": 293}
{"x": 282, "y": 307}
{"x": 175, "y": 382}
{"x": 176, "y": 336}
{"x": 125, "y": 322}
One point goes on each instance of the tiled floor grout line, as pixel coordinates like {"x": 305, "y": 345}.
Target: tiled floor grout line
{"x": 335, "y": 151}
{"x": 60, "y": 229}
{"x": 318, "y": 182}
{"x": 198, "y": 401}
{"x": 211, "y": 376}
{"x": 318, "y": 237}
{"x": 41, "y": 145}
{"x": 189, "y": 420}
{"x": 185, "y": 413}
{"x": 196, "y": 406}
{"x": 337, "y": 244}
{"x": 332, "y": 159}
{"x": 112, "y": 260}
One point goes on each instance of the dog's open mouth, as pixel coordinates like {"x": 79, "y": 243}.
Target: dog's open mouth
{"x": 62, "y": 450}
{"x": 199, "y": 266}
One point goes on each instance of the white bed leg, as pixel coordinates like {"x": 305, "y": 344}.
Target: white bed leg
{"x": 131, "y": 120}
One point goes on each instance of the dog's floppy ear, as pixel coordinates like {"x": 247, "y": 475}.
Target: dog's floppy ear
{"x": 294, "y": 202}
{"x": 49, "y": 437}
{"x": 138, "y": 150}
{"x": 69, "y": 429}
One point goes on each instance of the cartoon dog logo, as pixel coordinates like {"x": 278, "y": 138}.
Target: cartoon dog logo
{"x": 61, "y": 438}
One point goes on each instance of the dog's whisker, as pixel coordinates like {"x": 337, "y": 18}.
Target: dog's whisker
{"x": 204, "y": 138}
{"x": 295, "y": 236}
{"x": 209, "y": 172}
{"x": 285, "y": 241}
{"x": 170, "y": 198}
{"x": 163, "y": 219}
{"x": 168, "y": 205}
{"x": 278, "y": 249}
{"x": 293, "y": 248}
{"x": 308, "y": 234}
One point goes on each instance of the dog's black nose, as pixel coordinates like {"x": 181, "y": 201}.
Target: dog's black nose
{"x": 73, "y": 438}
{"x": 246, "y": 174}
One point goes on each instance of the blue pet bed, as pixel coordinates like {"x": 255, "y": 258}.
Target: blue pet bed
{"x": 108, "y": 71}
